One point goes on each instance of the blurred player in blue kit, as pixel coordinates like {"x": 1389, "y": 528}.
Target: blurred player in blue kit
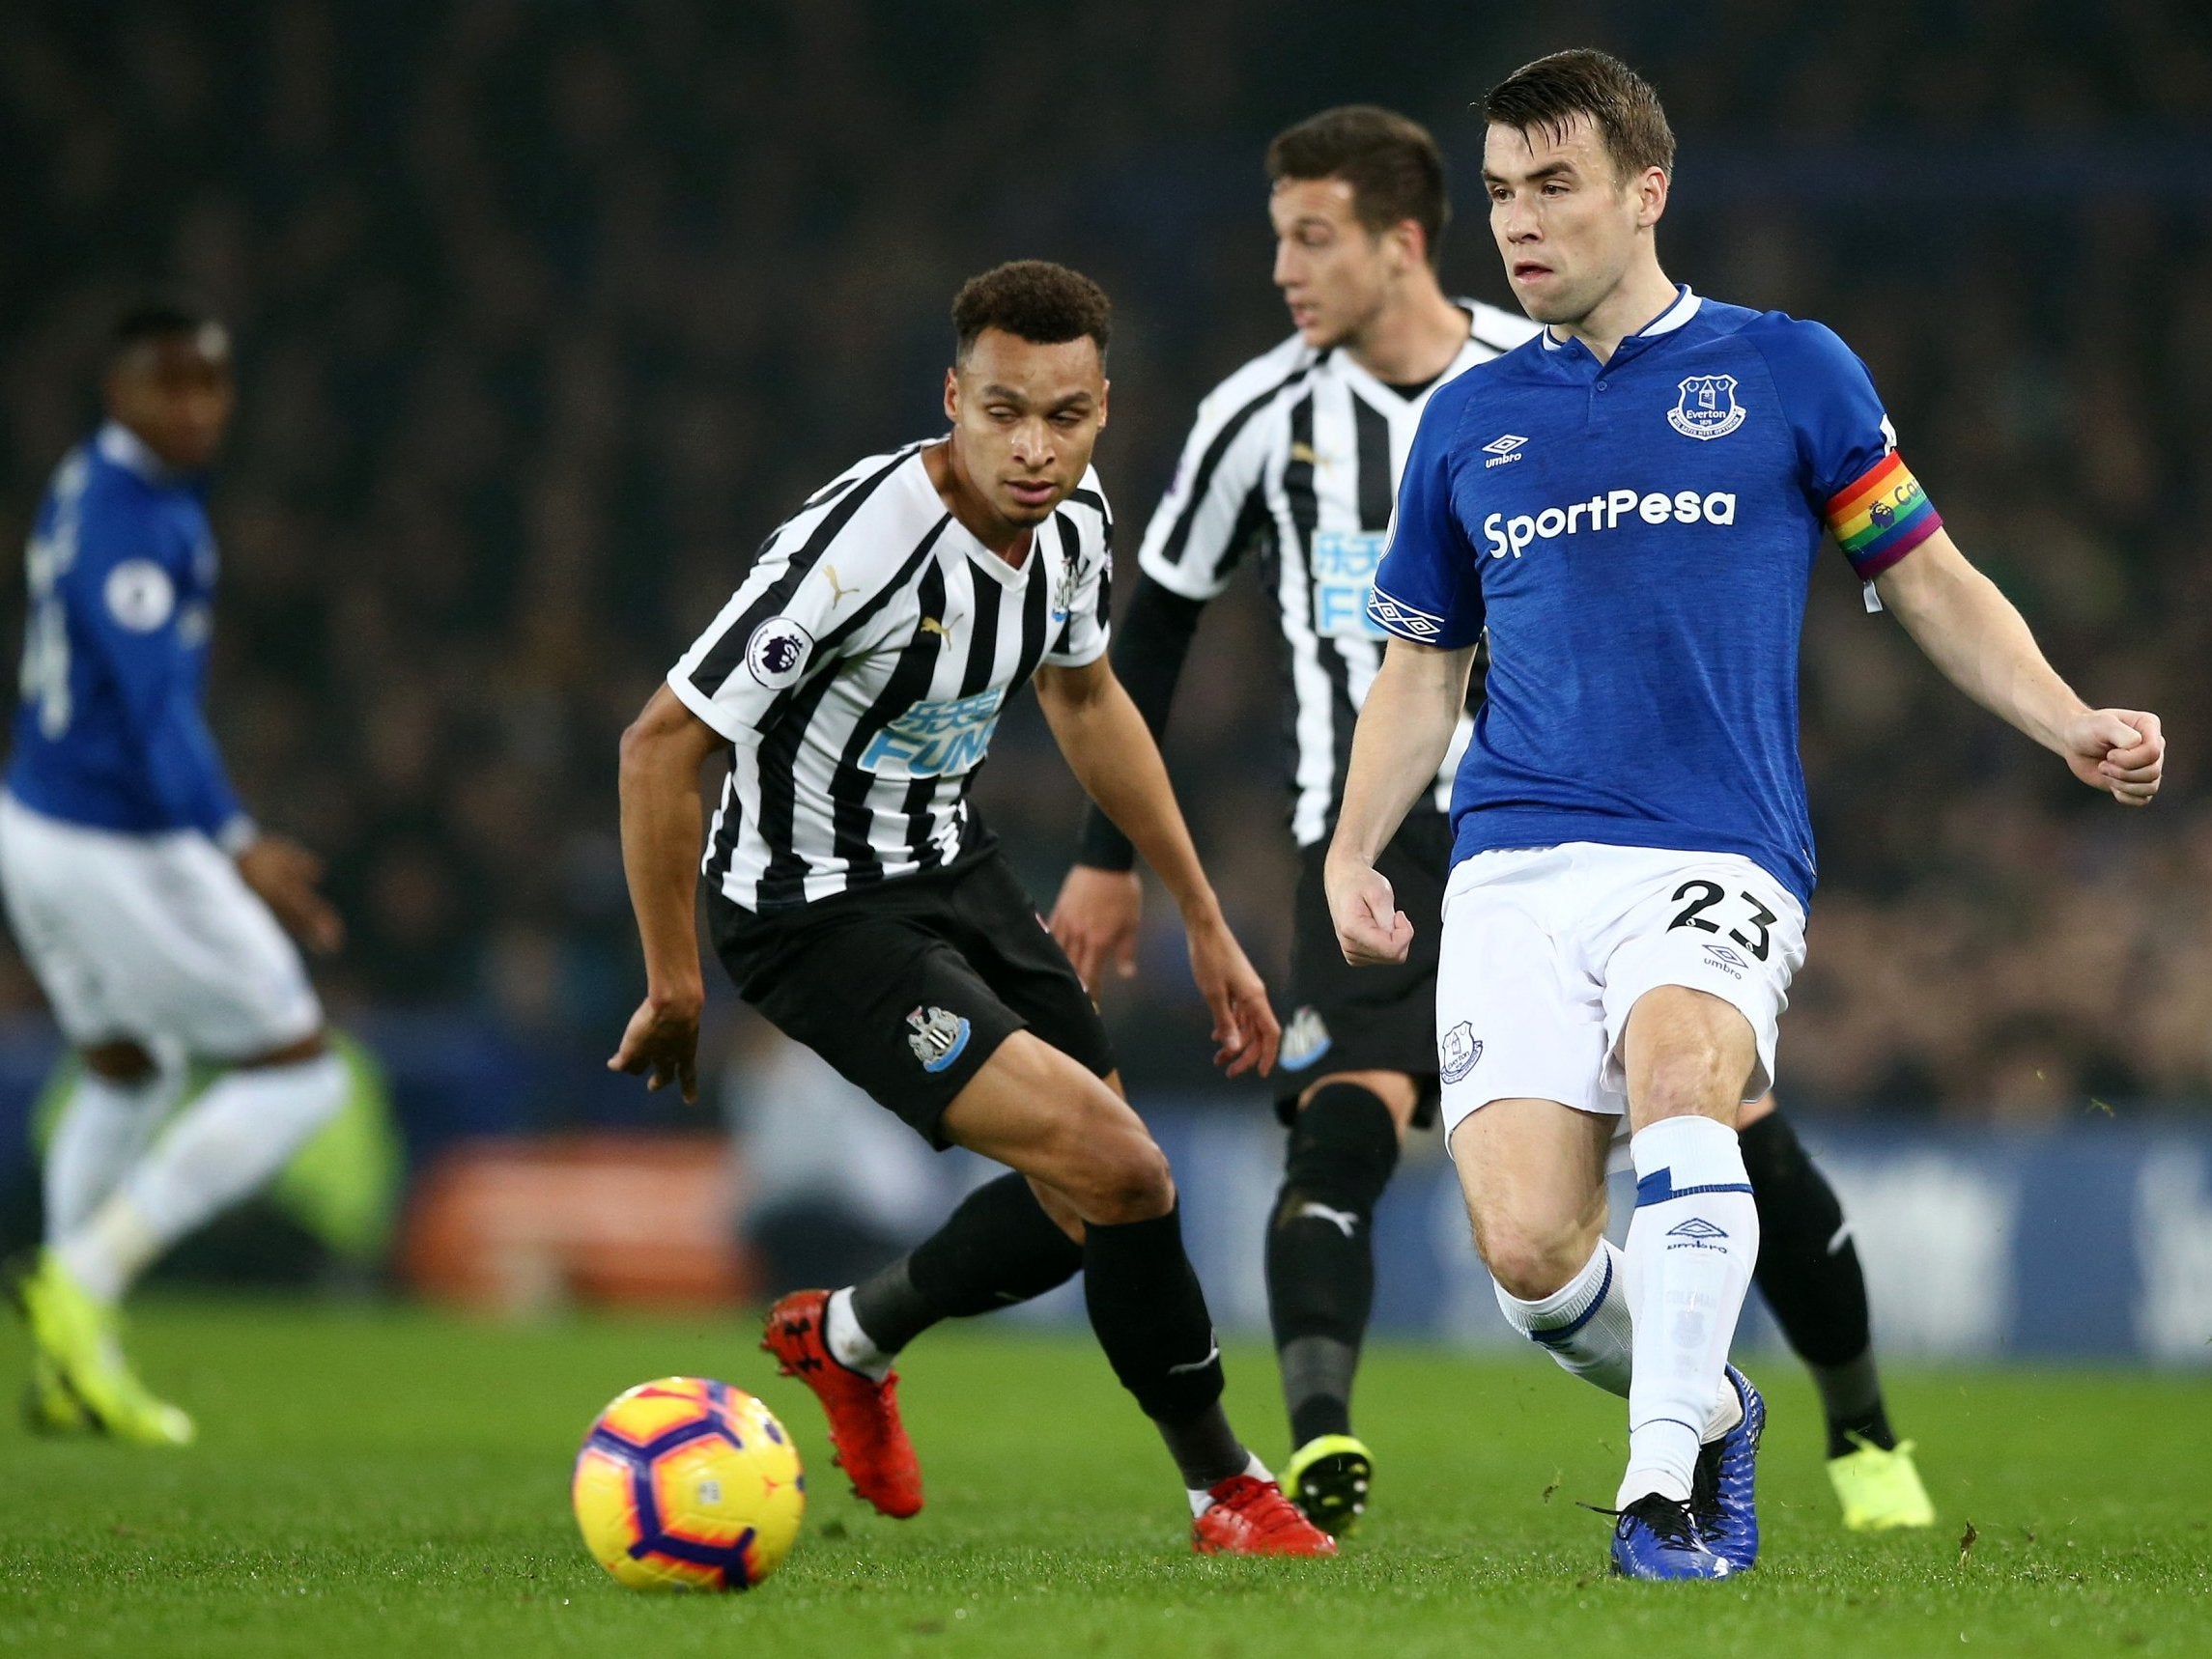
{"x": 1631, "y": 505}
{"x": 149, "y": 905}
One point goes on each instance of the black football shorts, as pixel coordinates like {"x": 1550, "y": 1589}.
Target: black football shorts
{"x": 907, "y": 987}
{"x": 1347, "y": 1019}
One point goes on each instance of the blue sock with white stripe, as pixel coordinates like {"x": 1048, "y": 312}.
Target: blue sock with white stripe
{"x": 1691, "y": 1248}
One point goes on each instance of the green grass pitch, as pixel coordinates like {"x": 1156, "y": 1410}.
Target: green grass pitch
{"x": 390, "y": 1482}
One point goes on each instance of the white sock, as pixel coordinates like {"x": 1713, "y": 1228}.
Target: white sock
{"x": 1201, "y": 1498}
{"x": 224, "y": 1146}
{"x": 1691, "y": 1248}
{"x": 1585, "y": 1325}
{"x": 849, "y": 1346}
{"x": 102, "y": 1128}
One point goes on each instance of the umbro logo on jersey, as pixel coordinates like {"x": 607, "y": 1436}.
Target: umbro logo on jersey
{"x": 1696, "y": 1228}
{"x": 1501, "y": 450}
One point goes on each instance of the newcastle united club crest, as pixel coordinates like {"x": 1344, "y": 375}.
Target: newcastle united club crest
{"x": 936, "y": 1035}
{"x": 1706, "y": 407}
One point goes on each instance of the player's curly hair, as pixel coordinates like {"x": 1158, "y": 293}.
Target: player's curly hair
{"x": 1032, "y": 300}
{"x": 1547, "y": 95}
{"x": 1393, "y": 165}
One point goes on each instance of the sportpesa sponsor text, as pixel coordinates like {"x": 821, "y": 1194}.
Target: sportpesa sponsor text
{"x": 1605, "y": 513}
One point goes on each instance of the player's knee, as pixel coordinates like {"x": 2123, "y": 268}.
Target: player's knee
{"x": 1697, "y": 1079}
{"x": 1122, "y": 1177}
{"x": 1531, "y": 1262}
{"x": 1344, "y": 1145}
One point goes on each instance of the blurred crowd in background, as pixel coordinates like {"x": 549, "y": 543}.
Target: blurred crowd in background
{"x": 549, "y": 311}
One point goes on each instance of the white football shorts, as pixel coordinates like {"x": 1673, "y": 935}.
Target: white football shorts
{"x": 1545, "y": 949}
{"x": 149, "y": 936}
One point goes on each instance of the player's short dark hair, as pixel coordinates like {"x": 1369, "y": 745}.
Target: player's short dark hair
{"x": 1032, "y": 299}
{"x": 157, "y": 317}
{"x": 1547, "y": 95}
{"x": 1393, "y": 165}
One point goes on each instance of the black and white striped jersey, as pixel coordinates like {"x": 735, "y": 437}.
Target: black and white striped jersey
{"x": 859, "y": 672}
{"x": 1297, "y": 453}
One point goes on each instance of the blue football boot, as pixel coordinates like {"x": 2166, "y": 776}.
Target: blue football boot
{"x": 1657, "y": 1538}
{"x": 1720, "y": 1491}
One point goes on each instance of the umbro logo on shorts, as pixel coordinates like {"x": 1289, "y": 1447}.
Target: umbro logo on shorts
{"x": 1726, "y": 960}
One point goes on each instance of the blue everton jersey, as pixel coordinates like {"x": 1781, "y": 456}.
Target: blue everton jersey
{"x": 1638, "y": 537}
{"x": 109, "y": 730}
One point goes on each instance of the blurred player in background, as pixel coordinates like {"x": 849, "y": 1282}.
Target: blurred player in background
{"x": 143, "y": 899}
{"x": 1297, "y": 453}
{"x": 1631, "y": 505}
{"x": 856, "y": 678}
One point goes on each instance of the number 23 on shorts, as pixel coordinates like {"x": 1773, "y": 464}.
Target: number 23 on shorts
{"x": 1703, "y": 895}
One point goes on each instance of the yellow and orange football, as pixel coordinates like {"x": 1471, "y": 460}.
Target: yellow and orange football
{"x": 688, "y": 1484}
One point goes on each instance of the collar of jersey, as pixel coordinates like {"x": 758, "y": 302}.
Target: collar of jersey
{"x": 1574, "y": 354}
{"x": 119, "y": 446}
{"x": 1007, "y": 576}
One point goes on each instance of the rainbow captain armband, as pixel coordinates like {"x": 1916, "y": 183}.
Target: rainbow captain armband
{"x": 1883, "y": 517}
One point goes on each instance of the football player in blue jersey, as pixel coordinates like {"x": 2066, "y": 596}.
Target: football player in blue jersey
{"x": 143, "y": 899}
{"x": 1358, "y": 200}
{"x": 1631, "y": 505}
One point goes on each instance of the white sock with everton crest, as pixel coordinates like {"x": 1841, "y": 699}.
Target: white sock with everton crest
{"x": 1691, "y": 1248}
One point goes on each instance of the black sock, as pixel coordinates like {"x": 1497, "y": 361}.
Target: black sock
{"x": 1321, "y": 1252}
{"x": 1808, "y": 1272}
{"x": 997, "y": 1249}
{"x": 1150, "y": 1318}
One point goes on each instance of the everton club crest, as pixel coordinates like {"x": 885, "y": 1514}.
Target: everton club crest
{"x": 1706, "y": 407}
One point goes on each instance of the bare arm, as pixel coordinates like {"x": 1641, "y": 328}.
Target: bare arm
{"x": 1971, "y": 632}
{"x": 663, "y": 821}
{"x": 1114, "y": 757}
{"x": 1405, "y": 728}
{"x": 1101, "y": 901}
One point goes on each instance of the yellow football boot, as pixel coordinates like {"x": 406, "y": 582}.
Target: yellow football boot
{"x": 81, "y": 1351}
{"x": 1879, "y": 1490}
{"x": 1327, "y": 1478}
{"x": 48, "y": 1406}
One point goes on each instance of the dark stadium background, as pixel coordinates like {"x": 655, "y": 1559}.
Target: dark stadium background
{"x": 550, "y": 310}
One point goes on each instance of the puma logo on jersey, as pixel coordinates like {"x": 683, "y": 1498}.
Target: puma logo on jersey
{"x": 1348, "y": 1219}
{"x": 838, "y": 589}
{"x": 1305, "y": 452}
{"x": 930, "y": 624}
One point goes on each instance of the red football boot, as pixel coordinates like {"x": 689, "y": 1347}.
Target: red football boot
{"x": 871, "y": 1445}
{"x": 1251, "y": 1517}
